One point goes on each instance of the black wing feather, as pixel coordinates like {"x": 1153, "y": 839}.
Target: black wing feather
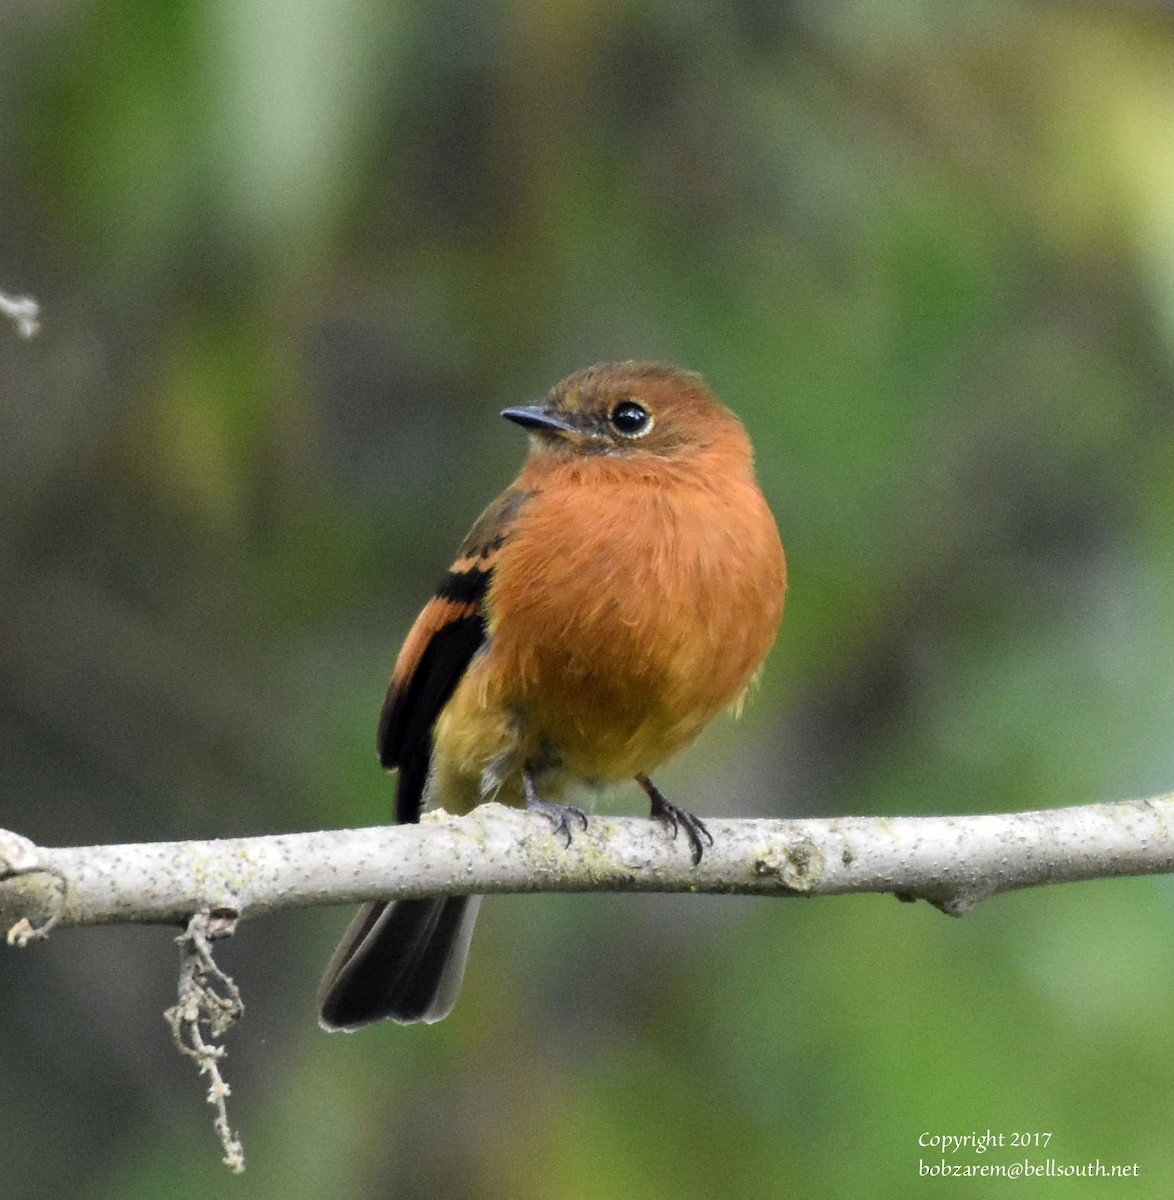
{"x": 447, "y": 634}
{"x": 405, "y": 725}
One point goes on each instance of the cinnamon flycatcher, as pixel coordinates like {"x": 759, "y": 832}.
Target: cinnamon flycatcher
{"x": 610, "y": 602}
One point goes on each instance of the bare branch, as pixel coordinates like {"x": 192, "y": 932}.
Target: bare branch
{"x": 953, "y": 862}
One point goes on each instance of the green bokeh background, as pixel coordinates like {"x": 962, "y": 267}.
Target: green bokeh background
{"x": 293, "y": 259}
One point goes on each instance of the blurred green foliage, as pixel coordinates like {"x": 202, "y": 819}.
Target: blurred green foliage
{"x": 293, "y": 258}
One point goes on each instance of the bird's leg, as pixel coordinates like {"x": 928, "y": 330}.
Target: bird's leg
{"x": 556, "y": 814}
{"x": 677, "y": 819}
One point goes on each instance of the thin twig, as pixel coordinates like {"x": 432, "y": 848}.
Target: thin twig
{"x": 24, "y": 312}
{"x": 208, "y": 1000}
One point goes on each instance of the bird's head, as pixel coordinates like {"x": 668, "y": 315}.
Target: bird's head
{"x": 629, "y": 409}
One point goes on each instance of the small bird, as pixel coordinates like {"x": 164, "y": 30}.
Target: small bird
{"x": 610, "y": 602}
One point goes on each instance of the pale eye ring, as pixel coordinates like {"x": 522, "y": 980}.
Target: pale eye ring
{"x": 630, "y": 419}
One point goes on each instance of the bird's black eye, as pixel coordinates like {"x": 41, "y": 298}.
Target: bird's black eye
{"x": 630, "y": 419}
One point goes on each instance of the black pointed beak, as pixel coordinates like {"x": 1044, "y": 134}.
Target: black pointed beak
{"x": 538, "y": 419}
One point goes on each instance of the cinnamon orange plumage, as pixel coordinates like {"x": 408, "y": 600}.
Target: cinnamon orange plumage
{"x": 622, "y": 592}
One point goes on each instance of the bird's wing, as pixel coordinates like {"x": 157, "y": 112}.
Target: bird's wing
{"x": 449, "y": 631}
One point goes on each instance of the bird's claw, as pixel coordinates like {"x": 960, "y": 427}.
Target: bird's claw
{"x": 677, "y": 819}
{"x": 559, "y": 815}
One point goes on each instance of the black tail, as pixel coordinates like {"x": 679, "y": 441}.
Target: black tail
{"x": 404, "y": 961}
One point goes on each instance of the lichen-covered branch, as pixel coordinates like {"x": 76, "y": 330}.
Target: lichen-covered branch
{"x": 953, "y": 862}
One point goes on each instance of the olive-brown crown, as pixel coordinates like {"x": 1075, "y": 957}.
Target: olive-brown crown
{"x": 629, "y": 408}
